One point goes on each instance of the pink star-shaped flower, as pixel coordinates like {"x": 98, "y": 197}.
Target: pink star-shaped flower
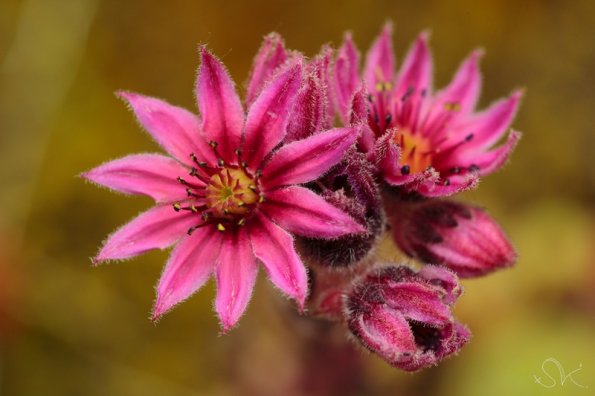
{"x": 230, "y": 195}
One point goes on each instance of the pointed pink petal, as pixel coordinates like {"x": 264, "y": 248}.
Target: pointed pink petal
{"x": 301, "y": 211}
{"x": 358, "y": 115}
{"x": 153, "y": 175}
{"x": 386, "y": 155}
{"x": 176, "y": 129}
{"x": 219, "y": 105}
{"x": 418, "y": 302}
{"x": 311, "y": 112}
{"x": 158, "y": 228}
{"x": 416, "y": 71}
{"x": 380, "y": 61}
{"x": 346, "y": 77}
{"x": 236, "y": 274}
{"x": 464, "y": 88}
{"x": 188, "y": 268}
{"x": 431, "y": 188}
{"x": 488, "y": 126}
{"x": 267, "y": 120}
{"x": 270, "y": 56}
{"x": 305, "y": 160}
{"x": 275, "y": 248}
{"x": 494, "y": 159}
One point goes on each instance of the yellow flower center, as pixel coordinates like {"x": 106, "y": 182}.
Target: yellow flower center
{"x": 230, "y": 191}
{"x": 416, "y": 153}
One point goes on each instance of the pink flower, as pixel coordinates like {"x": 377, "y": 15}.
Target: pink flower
{"x": 405, "y": 317}
{"x": 462, "y": 237}
{"x": 229, "y": 196}
{"x": 431, "y": 143}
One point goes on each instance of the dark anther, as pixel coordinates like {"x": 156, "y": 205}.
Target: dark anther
{"x": 408, "y": 94}
{"x": 258, "y": 173}
{"x": 405, "y": 169}
{"x": 455, "y": 170}
{"x": 205, "y": 216}
{"x": 473, "y": 168}
{"x": 469, "y": 137}
{"x": 213, "y": 144}
{"x": 371, "y": 98}
{"x": 376, "y": 119}
{"x": 388, "y": 118}
{"x": 446, "y": 182}
{"x": 238, "y": 152}
{"x": 244, "y": 164}
{"x": 177, "y": 206}
{"x": 220, "y": 162}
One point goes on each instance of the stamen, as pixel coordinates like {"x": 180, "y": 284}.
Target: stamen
{"x": 196, "y": 227}
{"x": 408, "y": 94}
{"x": 456, "y": 170}
{"x": 177, "y": 206}
{"x": 242, "y": 221}
{"x": 405, "y": 169}
{"x": 473, "y": 168}
{"x": 220, "y": 227}
{"x": 388, "y": 119}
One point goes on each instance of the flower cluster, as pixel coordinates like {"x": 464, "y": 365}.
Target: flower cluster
{"x": 273, "y": 180}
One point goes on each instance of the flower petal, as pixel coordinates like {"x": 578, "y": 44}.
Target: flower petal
{"x": 311, "y": 112}
{"x": 488, "y": 126}
{"x": 380, "y": 61}
{"x": 270, "y": 56}
{"x": 494, "y": 159}
{"x": 465, "y": 86}
{"x": 346, "y": 77}
{"x": 301, "y": 211}
{"x": 416, "y": 71}
{"x": 219, "y": 105}
{"x": 275, "y": 248}
{"x": 157, "y": 228}
{"x": 305, "y": 160}
{"x": 236, "y": 274}
{"x": 188, "y": 268}
{"x": 176, "y": 129}
{"x": 153, "y": 175}
{"x": 267, "y": 119}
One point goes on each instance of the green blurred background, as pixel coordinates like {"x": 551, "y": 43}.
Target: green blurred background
{"x": 69, "y": 329}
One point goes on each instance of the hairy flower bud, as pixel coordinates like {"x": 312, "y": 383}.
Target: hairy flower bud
{"x": 352, "y": 189}
{"x": 405, "y": 317}
{"x": 462, "y": 237}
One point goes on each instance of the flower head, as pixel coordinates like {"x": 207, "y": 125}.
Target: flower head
{"x": 230, "y": 195}
{"x": 462, "y": 237}
{"x": 431, "y": 143}
{"x": 405, "y": 317}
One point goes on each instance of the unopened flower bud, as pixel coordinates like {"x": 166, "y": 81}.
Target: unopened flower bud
{"x": 462, "y": 237}
{"x": 404, "y": 317}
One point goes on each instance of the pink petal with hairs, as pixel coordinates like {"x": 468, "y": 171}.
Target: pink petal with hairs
{"x": 153, "y": 175}
{"x": 266, "y": 124}
{"x": 275, "y": 248}
{"x": 175, "y": 129}
{"x": 188, "y": 268}
{"x": 305, "y": 160}
{"x": 236, "y": 274}
{"x": 158, "y": 228}
{"x": 301, "y": 211}
{"x": 219, "y": 105}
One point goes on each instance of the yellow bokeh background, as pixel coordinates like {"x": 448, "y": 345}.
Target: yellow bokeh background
{"x": 69, "y": 329}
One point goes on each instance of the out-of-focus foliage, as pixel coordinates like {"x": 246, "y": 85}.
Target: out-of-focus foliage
{"x": 69, "y": 329}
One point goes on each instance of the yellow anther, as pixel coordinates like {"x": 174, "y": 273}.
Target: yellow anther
{"x": 177, "y": 206}
{"x": 242, "y": 222}
{"x": 220, "y": 227}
